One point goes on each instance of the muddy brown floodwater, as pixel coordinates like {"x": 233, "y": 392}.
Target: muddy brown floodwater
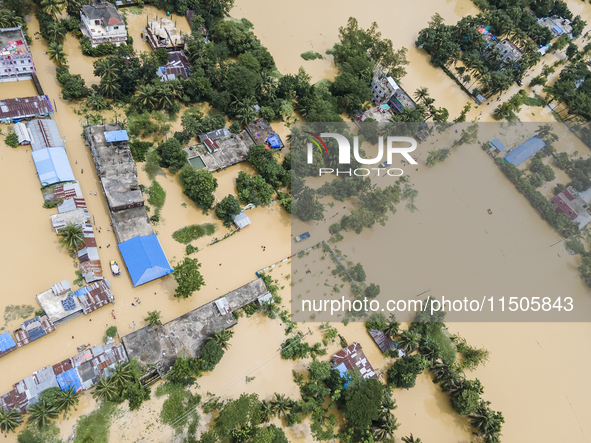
{"x": 537, "y": 372}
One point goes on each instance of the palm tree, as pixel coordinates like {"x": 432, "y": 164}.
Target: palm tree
{"x": 121, "y": 374}
{"x": 9, "y": 420}
{"x": 266, "y": 411}
{"x": 281, "y": 404}
{"x": 391, "y": 329}
{"x": 104, "y": 389}
{"x": 153, "y": 318}
{"x": 109, "y": 87}
{"x": 73, "y": 7}
{"x": 409, "y": 341}
{"x": 411, "y": 439}
{"x": 487, "y": 422}
{"x": 146, "y": 97}
{"x": 383, "y": 429}
{"x": 56, "y": 53}
{"x": 9, "y": 19}
{"x": 105, "y": 69}
{"x": 56, "y": 32}
{"x": 52, "y": 7}
{"x": 421, "y": 94}
{"x": 68, "y": 399}
{"x": 41, "y": 412}
{"x": 245, "y": 116}
{"x": 222, "y": 338}
{"x": 270, "y": 309}
{"x": 71, "y": 237}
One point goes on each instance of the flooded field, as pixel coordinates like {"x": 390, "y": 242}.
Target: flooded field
{"x": 536, "y": 374}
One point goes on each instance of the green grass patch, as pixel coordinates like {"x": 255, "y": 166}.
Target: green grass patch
{"x": 534, "y": 101}
{"x": 311, "y": 55}
{"x": 180, "y": 403}
{"x": 95, "y": 426}
{"x": 157, "y": 195}
{"x": 193, "y": 232}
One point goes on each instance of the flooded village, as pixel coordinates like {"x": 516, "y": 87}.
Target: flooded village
{"x": 60, "y": 302}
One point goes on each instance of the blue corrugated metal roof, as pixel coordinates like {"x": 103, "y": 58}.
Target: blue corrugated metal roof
{"x": 116, "y": 136}
{"x": 145, "y": 259}
{"x": 6, "y": 342}
{"x": 525, "y": 151}
{"x": 498, "y": 144}
{"x": 52, "y": 166}
{"x": 69, "y": 378}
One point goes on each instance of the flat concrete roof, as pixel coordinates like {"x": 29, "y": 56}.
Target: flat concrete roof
{"x": 232, "y": 149}
{"x": 186, "y": 334}
{"x": 52, "y": 305}
{"x": 131, "y": 223}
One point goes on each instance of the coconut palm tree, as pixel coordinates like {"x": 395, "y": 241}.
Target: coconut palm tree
{"x": 41, "y": 412}
{"x": 52, "y": 7}
{"x": 105, "y": 389}
{"x": 146, "y": 97}
{"x": 68, "y": 399}
{"x": 121, "y": 374}
{"x": 383, "y": 429}
{"x": 109, "y": 87}
{"x": 105, "y": 69}
{"x": 266, "y": 411}
{"x": 9, "y": 19}
{"x": 409, "y": 341}
{"x": 71, "y": 237}
{"x": 487, "y": 422}
{"x": 222, "y": 338}
{"x": 245, "y": 116}
{"x": 392, "y": 329}
{"x": 281, "y": 405}
{"x": 153, "y": 318}
{"x": 56, "y": 32}
{"x": 9, "y": 420}
{"x": 421, "y": 94}
{"x": 56, "y": 53}
{"x": 73, "y": 7}
{"x": 411, "y": 439}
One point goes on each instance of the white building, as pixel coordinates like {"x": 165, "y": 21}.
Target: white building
{"x": 102, "y": 23}
{"x": 16, "y": 61}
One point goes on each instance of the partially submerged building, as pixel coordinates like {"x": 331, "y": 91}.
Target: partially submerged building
{"x": 53, "y": 166}
{"x": 384, "y": 342}
{"x": 32, "y": 330}
{"x": 145, "y": 259}
{"x": 186, "y": 334}
{"x": 24, "y": 108}
{"x": 44, "y": 134}
{"x": 241, "y": 220}
{"x": 7, "y": 344}
{"x": 79, "y": 372}
{"x": 261, "y": 132}
{"x": 496, "y": 146}
{"x": 61, "y": 304}
{"x": 16, "y": 60}
{"x": 177, "y": 67}
{"x": 384, "y": 89}
{"x": 214, "y": 135}
{"x": 352, "y": 359}
{"x": 162, "y": 33}
{"x": 508, "y": 51}
{"x": 23, "y": 134}
{"x": 570, "y": 203}
{"x": 224, "y": 151}
{"x": 524, "y": 151}
{"x": 558, "y": 25}
{"x": 101, "y": 23}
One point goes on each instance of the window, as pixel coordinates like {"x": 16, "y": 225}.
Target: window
{"x": 115, "y": 27}
{"x": 22, "y": 62}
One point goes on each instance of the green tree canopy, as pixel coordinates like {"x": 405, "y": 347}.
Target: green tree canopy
{"x": 188, "y": 277}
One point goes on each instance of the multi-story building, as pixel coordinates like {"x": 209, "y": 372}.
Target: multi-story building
{"x": 16, "y": 61}
{"x": 385, "y": 90}
{"x": 102, "y": 23}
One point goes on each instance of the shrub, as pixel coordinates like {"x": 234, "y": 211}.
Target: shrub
{"x": 139, "y": 150}
{"x": 11, "y": 140}
{"x": 211, "y": 354}
{"x": 49, "y": 205}
{"x": 193, "y": 232}
{"x": 111, "y": 331}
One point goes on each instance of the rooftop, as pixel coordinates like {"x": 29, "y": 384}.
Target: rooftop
{"x": 241, "y": 220}
{"x": 52, "y": 166}
{"x": 524, "y": 151}
{"x": 25, "y": 107}
{"x": 103, "y": 11}
{"x": 59, "y": 308}
{"x": 162, "y": 33}
{"x": 259, "y": 130}
{"x": 44, "y": 134}
{"x": 188, "y": 333}
{"x": 13, "y": 42}
{"x": 131, "y": 223}
{"x": 382, "y": 340}
{"x": 177, "y": 67}
{"x": 229, "y": 150}
{"x": 353, "y": 358}
{"x": 33, "y": 329}
{"x": 145, "y": 259}
{"x": 75, "y": 217}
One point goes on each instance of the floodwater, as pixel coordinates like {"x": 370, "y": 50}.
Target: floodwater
{"x": 536, "y": 370}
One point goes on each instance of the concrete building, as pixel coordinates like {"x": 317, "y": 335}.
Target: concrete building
{"x": 162, "y": 33}
{"x": 569, "y": 202}
{"x": 385, "y": 89}
{"x": 16, "y": 60}
{"x": 557, "y": 25}
{"x": 222, "y": 152}
{"x": 508, "y": 52}
{"x": 24, "y": 108}
{"x": 187, "y": 333}
{"x": 102, "y": 23}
